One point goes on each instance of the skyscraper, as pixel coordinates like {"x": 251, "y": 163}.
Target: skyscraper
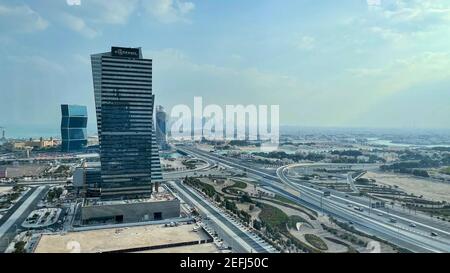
{"x": 161, "y": 132}
{"x": 73, "y": 127}
{"x": 124, "y": 105}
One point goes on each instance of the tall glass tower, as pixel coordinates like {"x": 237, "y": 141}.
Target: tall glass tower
{"x": 161, "y": 132}
{"x": 124, "y": 105}
{"x": 73, "y": 127}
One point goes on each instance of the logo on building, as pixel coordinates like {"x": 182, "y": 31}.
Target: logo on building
{"x": 125, "y": 52}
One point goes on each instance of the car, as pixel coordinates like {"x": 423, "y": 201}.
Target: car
{"x": 380, "y": 214}
{"x": 350, "y": 205}
{"x": 434, "y": 234}
{"x": 412, "y": 225}
{"x": 350, "y": 223}
{"x": 392, "y": 220}
{"x": 346, "y": 196}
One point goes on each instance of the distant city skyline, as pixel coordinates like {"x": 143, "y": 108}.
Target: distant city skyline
{"x": 371, "y": 64}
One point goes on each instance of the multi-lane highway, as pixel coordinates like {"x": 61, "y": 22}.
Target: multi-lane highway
{"x": 229, "y": 229}
{"x": 408, "y": 231}
{"x": 11, "y": 223}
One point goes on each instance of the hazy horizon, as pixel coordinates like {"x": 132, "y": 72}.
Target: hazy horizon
{"x": 37, "y": 131}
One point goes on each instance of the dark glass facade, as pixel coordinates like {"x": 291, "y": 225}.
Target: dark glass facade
{"x": 124, "y": 106}
{"x": 73, "y": 128}
{"x": 161, "y": 131}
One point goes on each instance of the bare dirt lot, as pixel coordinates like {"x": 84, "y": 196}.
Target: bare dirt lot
{"x": 118, "y": 238}
{"x": 25, "y": 170}
{"x": 418, "y": 186}
{"x": 5, "y": 189}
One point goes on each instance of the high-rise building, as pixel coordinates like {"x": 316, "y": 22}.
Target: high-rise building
{"x": 73, "y": 127}
{"x": 124, "y": 103}
{"x": 161, "y": 132}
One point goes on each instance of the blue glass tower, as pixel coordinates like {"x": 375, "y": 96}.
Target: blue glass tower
{"x": 73, "y": 128}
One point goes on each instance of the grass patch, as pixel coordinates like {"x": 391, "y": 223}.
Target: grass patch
{"x": 316, "y": 241}
{"x": 284, "y": 199}
{"x": 294, "y": 219}
{"x": 240, "y": 185}
{"x": 445, "y": 170}
{"x": 234, "y": 189}
{"x": 273, "y": 217}
{"x": 206, "y": 188}
{"x": 276, "y": 221}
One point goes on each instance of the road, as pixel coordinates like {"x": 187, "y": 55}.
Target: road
{"x": 416, "y": 239}
{"x": 234, "y": 233}
{"x": 351, "y": 181}
{"x": 19, "y": 213}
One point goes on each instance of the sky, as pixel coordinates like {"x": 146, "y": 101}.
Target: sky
{"x": 347, "y": 63}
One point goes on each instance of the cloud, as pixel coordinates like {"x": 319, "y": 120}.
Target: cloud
{"x": 217, "y": 83}
{"x": 117, "y": 12}
{"x": 112, "y": 11}
{"x": 396, "y": 77}
{"x": 389, "y": 34}
{"x": 402, "y": 11}
{"x": 73, "y": 2}
{"x": 305, "y": 43}
{"x": 83, "y": 59}
{"x": 37, "y": 62}
{"x": 409, "y": 24}
{"x": 21, "y": 18}
{"x": 169, "y": 11}
{"x": 78, "y": 24}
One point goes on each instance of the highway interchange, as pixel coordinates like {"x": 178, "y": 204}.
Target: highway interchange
{"x": 411, "y": 231}
{"x": 406, "y": 230}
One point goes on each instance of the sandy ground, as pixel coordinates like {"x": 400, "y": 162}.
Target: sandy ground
{"x": 254, "y": 213}
{"x": 5, "y": 189}
{"x": 25, "y": 170}
{"x": 177, "y": 163}
{"x": 428, "y": 188}
{"x": 121, "y": 238}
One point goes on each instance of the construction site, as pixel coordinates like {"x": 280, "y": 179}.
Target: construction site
{"x": 167, "y": 238}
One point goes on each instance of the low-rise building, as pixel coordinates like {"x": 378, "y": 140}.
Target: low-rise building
{"x": 40, "y": 143}
{"x": 161, "y": 205}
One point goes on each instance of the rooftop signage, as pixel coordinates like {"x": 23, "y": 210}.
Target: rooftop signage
{"x": 125, "y": 52}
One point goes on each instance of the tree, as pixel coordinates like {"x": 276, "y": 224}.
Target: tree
{"x": 19, "y": 247}
{"x": 218, "y": 199}
{"x": 257, "y": 224}
{"x": 246, "y": 198}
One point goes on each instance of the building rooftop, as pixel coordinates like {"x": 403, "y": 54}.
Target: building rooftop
{"x": 202, "y": 248}
{"x": 157, "y": 238}
{"x": 156, "y": 197}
